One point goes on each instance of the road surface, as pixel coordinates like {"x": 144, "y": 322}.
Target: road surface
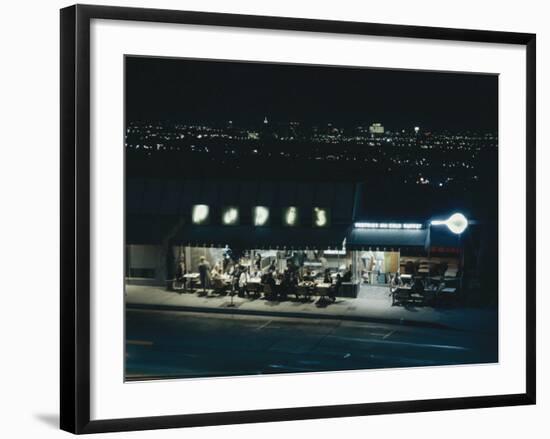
{"x": 174, "y": 344}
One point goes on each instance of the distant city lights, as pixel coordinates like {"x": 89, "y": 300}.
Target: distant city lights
{"x": 414, "y": 158}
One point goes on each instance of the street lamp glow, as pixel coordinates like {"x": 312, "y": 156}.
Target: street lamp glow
{"x": 230, "y": 216}
{"x": 456, "y": 223}
{"x": 261, "y": 215}
{"x": 200, "y": 213}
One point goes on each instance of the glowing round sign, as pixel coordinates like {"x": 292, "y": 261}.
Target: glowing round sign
{"x": 456, "y": 223}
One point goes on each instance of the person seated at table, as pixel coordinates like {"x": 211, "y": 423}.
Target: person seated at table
{"x": 288, "y": 283}
{"x": 255, "y": 272}
{"x": 308, "y": 275}
{"x": 418, "y": 285}
{"x": 269, "y": 287}
{"x": 327, "y": 278}
{"x": 396, "y": 280}
{"x": 335, "y": 289}
{"x": 272, "y": 268}
{"x": 347, "y": 275}
{"x": 215, "y": 273}
{"x": 216, "y": 279}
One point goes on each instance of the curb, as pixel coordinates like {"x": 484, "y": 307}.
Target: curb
{"x": 301, "y": 315}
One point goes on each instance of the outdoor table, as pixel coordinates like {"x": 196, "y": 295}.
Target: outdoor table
{"x": 254, "y": 286}
{"x": 193, "y": 278}
{"x": 255, "y": 280}
{"x": 306, "y": 284}
{"x": 323, "y": 288}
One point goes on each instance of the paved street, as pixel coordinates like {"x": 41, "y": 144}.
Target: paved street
{"x": 162, "y": 344}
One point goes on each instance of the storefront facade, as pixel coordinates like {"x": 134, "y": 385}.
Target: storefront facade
{"x": 319, "y": 227}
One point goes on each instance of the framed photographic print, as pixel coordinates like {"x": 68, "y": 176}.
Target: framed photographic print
{"x": 268, "y": 218}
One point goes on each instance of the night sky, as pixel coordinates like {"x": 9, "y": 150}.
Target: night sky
{"x": 180, "y": 90}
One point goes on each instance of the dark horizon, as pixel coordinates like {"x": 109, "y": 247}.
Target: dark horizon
{"x": 186, "y": 90}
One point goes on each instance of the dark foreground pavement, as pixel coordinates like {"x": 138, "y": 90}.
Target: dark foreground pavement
{"x": 175, "y": 344}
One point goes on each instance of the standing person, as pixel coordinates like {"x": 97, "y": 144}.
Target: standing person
{"x": 243, "y": 282}
{"x": 181, "y": 271}
{"x": 235, "y": 275}
{"x": 227, "y": 256}
{"x": 204, "y": 270}
{"x": 258, "y": 262}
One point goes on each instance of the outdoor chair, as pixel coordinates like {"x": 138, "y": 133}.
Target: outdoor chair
{"x": 401, "y": 295}
{"x": 322, "y": 292}
{"x": 429, "y": 295}
{"x": 254, "y": 289}
{"x": 304, "y": 291}
{"x": 178, "y": 285}
{"x": 446, "y": 294}
{"x": 218, "y": 286}
{"x": 269, "y": 294}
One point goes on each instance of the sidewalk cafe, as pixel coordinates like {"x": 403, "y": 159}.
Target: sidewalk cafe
{"x": 414, "y": 263}
{"x": 292, "y": 240}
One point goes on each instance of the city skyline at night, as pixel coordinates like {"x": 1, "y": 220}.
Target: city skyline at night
{"x": 191, "y": 90}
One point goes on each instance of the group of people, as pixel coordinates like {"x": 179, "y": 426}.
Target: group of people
{"x": 279, "y": 283}
{"x": 209, "y": 276}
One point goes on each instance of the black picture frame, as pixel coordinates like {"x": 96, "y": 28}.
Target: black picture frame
{"x": 75, "y": 217}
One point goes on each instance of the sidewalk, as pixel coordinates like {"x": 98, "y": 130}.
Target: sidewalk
{"x": 373, "y": 308}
